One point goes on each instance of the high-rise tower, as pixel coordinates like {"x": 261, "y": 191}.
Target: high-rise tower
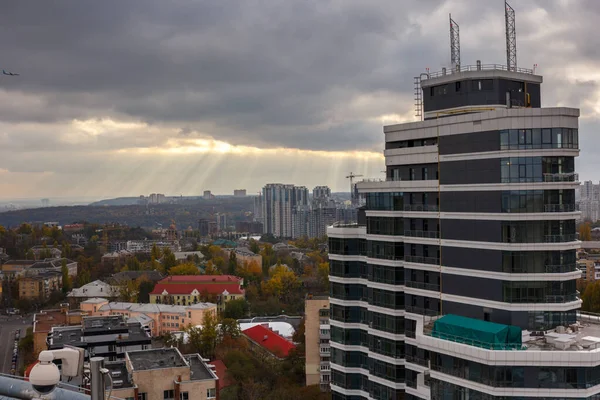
{"x": 462, "y": 283}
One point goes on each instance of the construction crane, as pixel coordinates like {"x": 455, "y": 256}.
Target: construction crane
{"x": 351, "y": 177}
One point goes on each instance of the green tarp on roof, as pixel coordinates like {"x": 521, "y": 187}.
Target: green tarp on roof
{"x": 476, "y": 332}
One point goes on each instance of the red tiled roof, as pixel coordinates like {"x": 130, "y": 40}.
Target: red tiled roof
{"x": 221, "y": 371}
{"x": 188, "y": 288}
{"x": 269, "y": 340}
{"x": 200, "y": 278}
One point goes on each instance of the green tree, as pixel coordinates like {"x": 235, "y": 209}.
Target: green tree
{"x": 230, "y": 327}
{"x": 184, "y": 269}
{"x": 168, "y": 260}
{"x": 236, "y": 309}
{"x": 146, "y": 286}
{"x": 155, "y": 253}
{"x": 83, "y": 277}
{"x": 209, "y": 335}
{"x": 591, "y": 297}
{"x": 133, "y": 264}
{"x": 232, "y": 265}
{"x": 129, "y": 291}
{"x": 254, "y": 246}
{"x": 66, "y": 279}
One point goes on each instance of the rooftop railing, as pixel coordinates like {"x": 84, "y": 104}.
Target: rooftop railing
{"x": 562, "y": 177}
{"x": 480, "y": 67}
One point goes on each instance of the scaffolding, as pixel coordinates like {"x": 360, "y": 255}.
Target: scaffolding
{"x": 511, "y": 37}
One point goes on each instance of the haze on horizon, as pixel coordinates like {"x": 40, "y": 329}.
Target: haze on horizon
{"x": 127, "y": 98}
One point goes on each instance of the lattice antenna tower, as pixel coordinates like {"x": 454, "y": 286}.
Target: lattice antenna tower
{"x": 454, "y": 45}
{"x": 511, "y": 37}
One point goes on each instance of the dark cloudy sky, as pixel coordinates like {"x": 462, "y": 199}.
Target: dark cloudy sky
{"x": 124, "y": 97}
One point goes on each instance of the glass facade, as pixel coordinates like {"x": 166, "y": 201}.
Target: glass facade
{"x": 538, "y": 201}
{"x": 539, "y": 138}
{"x": 536, "y": 169}
{"x": 385, "y": 201}
{"x": 538, "y": 262}
{"x": 538, "y": 231}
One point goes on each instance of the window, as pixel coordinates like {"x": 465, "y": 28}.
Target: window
{"x": 424, "y": 174}
{"x": 169, "y": 394}
{"x": 211, "y": 393}
{"x": 411, "y": 172}
{"x": 184, "y": 396}
{"x": 142, "y": 396}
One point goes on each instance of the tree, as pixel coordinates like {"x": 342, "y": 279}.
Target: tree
{"x": 169, "y": 260}
{"x": 283, "y": 284}
{"x": 146, "y": 286}
{"x": 268, "y": 254}
{"x": 585, "y": 232}
{"x": 129, "y": 291}
{"x": 66, "y": 279}
{"x": 232, "y": 265}
{"x": 133, "y": 264}
{"x": 211, "y": 269}
{"x": 184, "y": 269}
{"x": 230, "y": 328}
{"x": 236, "y": 309}
{"x": 254, "y": 246}
{"x": 591, "y": 297}
{"x": 204, "y": 340}
{"x": 83, "y": 277}
{"x": 323, "y": 275}
{"x": 155, "y": 253}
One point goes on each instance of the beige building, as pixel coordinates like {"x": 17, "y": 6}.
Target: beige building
{"x": 317, "y": 334}
{"x": 39, "y": 287}
{"x": 160, "y": 318}
{"x": 160, "y": 374}
{"x": 45, "y": 320}
{"x": 244, "y": 254}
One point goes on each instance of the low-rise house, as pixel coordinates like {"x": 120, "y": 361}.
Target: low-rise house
{"x": 92, "y": 290}
{"x": 159, "y": 318}
{"x": 124, "y": 276}
{"x": 264, "y": 341}
{"x": 192, "y": 289}
{"x": 14, "y": 268}
{"x": 116, "y": 258}
{"x": 244, "y": 255}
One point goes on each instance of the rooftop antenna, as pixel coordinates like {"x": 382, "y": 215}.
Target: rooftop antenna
{"x": 511, "y": 37}
{"x": 454, "y": 45}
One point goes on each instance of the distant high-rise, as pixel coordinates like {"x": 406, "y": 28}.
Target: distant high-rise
{"x": 258, "y": 208}
{"x": 239, "y": 192}
{"x": 204, "y": 227}
{"x": 45, "y": 202}
{"x": 157, "y": 198}
{"x": 279, "y": 202}
{"x": 207, "y": 195}
{"x": 321, "y": 192}
{"x": 221, "y": 220}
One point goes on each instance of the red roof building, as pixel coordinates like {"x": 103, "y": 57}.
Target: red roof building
{"x": 264, "y": 338}
{"x": 221, "y": 371}
{"x": 192, "y": 289}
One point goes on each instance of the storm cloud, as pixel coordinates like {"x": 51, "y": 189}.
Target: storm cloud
{"x": 129, "y": 97}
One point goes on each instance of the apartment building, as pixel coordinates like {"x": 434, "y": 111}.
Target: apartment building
{"x": 45, "y": 320}
{"x": 39, "y": 287}
{"x": 159, "y": 318}
{"x": 107, "y": 336}
{"x": 471, "y": 232}
{"x": 279, "y": 203}
{"x": 192, "y": 289}
{"x": 317, "y": 335}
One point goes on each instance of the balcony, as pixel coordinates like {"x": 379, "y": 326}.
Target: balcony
{"x": 422, "y": 260}
{"x": 562, "y": 177}
{"x": 560, "y": 207}
{"x": 422, "y": 234}
{"x": 324, "y": 350}
{"x": 560, "y": 268}
{"x": 422, "y": 207}
{"x": 571, "y": 237}
{"x": 422, "y": 311}
{"x": 417, "y": 360}
{"x": 423, "y": 285}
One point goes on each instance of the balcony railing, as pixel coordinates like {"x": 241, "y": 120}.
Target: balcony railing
{"x": 423, "y": 234}
{"x": 385, "y": 256}
{"x": 422, "y": 260}
{"x": 423, "y": 285}
{"x": 421, "y": 207}
{"x": 562, "y": 177}
{"x": 560, "y": 268}
{"x": 422, "y": 311}
{"x": 560, "y": 207}
{"x": 417, "y": 360}
{"x": 466, "y": 68}
{"x": 571, "y": 237}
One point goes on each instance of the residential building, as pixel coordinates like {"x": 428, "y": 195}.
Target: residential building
{"x": 159, "y": 318}
{"x": 108, "y": 336}
{"x": 203, "y": 227}
{"x": 72, "y": 228}
{"x": 321, "y": 192}
{"x": 116, "y": 258}
{"x": 92, "y": 290}
{"x": 44, "y": 252}
{"x": 279, "y": 202}
{"x": 39, "y": 287}
{"x": 282, "y": 328}
{"x": 145, "y": 246}
{"x": 14, "y": 268}
{"x": 472, "y": 231}
{"x": 157, "y": 198}
{"x": 317, "y": 335}
{"x": 263, "y": 340}
{"x": 239, "y": 192}
{"x": 208, "y": 195}
{"x": 221, "y": 220}
{"x": 258, "y": 209}
{"x": 248, "y": 227}
{"x": 244, "y": 255}
{"x": 192, "y": 289}
{"x": 160, "y": 374}
{"x": 120, "y": 277}
{"x": 45, "y": 320}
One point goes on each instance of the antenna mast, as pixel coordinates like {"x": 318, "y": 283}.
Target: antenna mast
{"x": 454, "y": 45}
{"x": 511, "y": 37}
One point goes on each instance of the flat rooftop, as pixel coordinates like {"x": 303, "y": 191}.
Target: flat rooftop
{"x": 156, "y": 359}
{"x": 199, "y": 370}
{"x": 79, "y": 337}
{"x": 107, "y": 323}
{"x": 119, "y": 374}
